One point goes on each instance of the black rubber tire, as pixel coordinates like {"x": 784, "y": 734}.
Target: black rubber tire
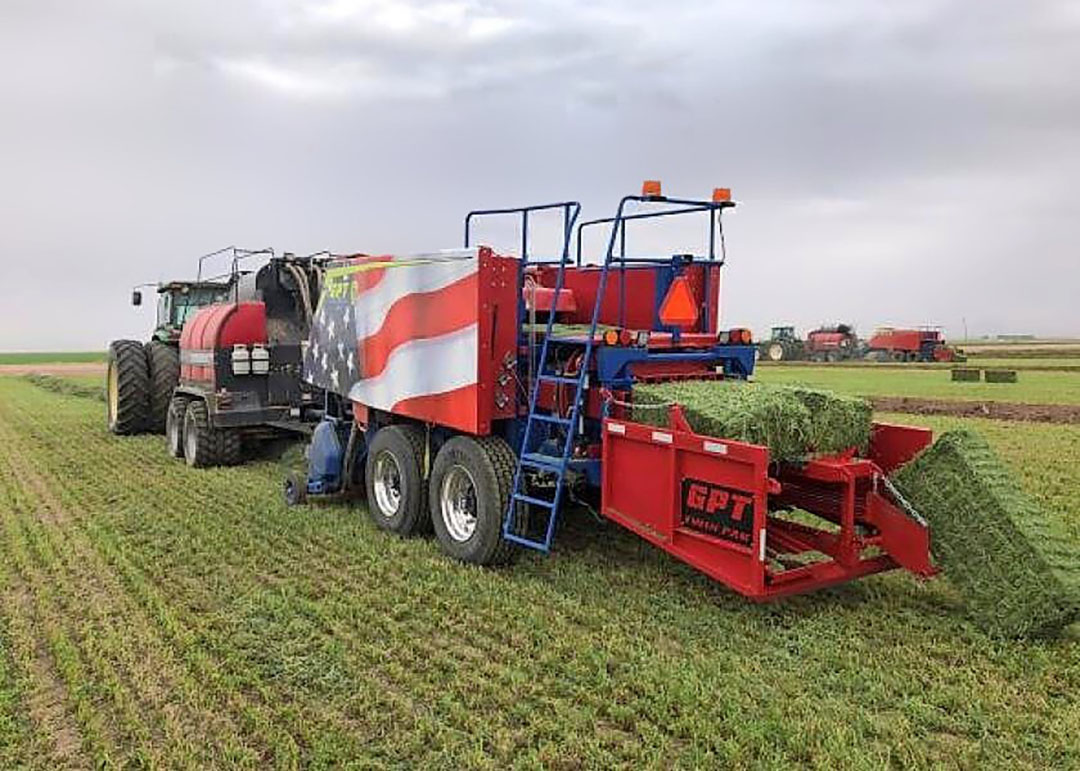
{"x": 405, "y": 444}
{"x": 294, "y": 489}
{"x": 164, "y": 362}
{"x": 200, "y": 443}
{"x": 229, "y": 450}
{"x": 127, "y": 409}
{"x": 174, "y": 425}
{"x": 490, "y": 463}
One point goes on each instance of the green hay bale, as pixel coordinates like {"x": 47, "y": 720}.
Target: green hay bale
{"x": 793, "y": 422}
{"x": 966, "y": 374}
{"x": 1019, "y": 577}
{"x": 1001, "y": 376}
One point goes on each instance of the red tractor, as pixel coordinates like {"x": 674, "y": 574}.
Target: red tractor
{"x": 923, "y": 344}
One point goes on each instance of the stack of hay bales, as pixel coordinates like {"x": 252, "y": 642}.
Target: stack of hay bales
{"x": 792, "y": 421}
{"x": 1018, "y": 576}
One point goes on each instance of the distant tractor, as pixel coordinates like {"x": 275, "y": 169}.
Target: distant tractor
{"x": 141, "y": 376}
{"x": 924, "y": 344}
{"x": 782, "y": 345}
{"x": 829, "y": 343}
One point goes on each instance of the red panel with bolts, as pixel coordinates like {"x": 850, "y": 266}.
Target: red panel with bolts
{"x": 712, "y": 503}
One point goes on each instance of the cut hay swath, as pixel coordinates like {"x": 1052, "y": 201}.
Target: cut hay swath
{"x": 792, "y": 421}
{"x": 1018, "y": 576}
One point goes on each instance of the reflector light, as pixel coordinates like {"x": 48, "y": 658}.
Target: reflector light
{"x": 611, "y": 337}
{"x": 650, "y": 187}
{"x": 747, "y": 338}
{"x": 680, "y": 307}
{"x": 626, "y": 337}
{"x": 721, "y": 194}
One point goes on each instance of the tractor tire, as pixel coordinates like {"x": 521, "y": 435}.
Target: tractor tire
{"x": 832, "y": 356}
{"x": 899, "y": 356}
{"x": 469, "y": 494}
{"x": 127, "y": 388}
{"x": 776, "y": 352}
{"x": 200, "y": 442}
{"x": 396, "y": 490}
{"x": 164, "y": 362}
{"x": 174, "y": 425}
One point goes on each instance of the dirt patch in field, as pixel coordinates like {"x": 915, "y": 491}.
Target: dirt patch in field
{"x": 1039, "y": 413}
{"x": 55, "y": 368}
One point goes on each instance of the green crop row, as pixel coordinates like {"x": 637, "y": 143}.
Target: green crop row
{"x": 189, "y": 619}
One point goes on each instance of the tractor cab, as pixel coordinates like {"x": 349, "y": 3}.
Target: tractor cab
{"x": 780, "y": 334}
{"x": 179, "y": 300}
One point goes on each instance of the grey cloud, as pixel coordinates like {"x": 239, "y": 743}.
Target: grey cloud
{"x": 901, "y": 162}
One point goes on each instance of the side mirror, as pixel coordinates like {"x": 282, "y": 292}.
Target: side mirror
{"x": 136, "y": 297}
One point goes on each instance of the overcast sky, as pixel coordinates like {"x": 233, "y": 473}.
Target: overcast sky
{"x": 902, "y": 162}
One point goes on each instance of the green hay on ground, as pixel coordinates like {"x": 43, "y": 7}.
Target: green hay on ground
{"x": 792, "y": 421}
{"x": 60, "y": 385}
{"x": 1018, "y": 576}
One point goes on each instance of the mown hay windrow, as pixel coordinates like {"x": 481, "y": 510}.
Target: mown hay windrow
{"x": 1019, "y": 578}
{"x": 793, "y": 422}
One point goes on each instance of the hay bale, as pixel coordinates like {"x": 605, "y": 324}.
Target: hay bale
{"x": 1019, "y": 577}
{"x": 1001, "y": 376}
{"x": 966, "y": 374}
{"x": 792, "y": 421}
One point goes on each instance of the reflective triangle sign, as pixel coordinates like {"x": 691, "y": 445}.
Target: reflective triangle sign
{"x": 680, "y": 307}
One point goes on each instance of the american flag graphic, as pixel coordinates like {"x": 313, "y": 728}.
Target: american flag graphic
{"x": 401, "y": 334}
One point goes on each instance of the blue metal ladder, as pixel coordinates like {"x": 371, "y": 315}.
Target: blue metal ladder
{"x": 515, "y": 528}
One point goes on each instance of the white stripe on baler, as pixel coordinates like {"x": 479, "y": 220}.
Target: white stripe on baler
{"x": 421, "y": 368}
{"x": 373, "y": 304}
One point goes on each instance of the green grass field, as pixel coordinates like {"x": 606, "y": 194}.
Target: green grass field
{"x": 1032, "y": 387}
{"x": 51, "y": 357}
{"x": 162, "y": 617}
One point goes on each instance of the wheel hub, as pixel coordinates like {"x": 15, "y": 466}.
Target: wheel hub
{"x": 387, "y": 483}
{"x": 457, "y": 503}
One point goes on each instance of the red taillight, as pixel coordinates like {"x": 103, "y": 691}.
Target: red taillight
{"x": 626, "y": 337}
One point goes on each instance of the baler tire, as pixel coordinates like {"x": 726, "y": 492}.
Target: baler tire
{"x": 164, "y": 362}
{"x": 174, "y": 425}
{"x": 127, "y": 388}
{"x": 229, "y": 446}
{"x": 488, "y": 463}
{"x": 200, "y": 444}
{"x": 403, "y": 447}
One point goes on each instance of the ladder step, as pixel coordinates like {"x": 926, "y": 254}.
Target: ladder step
{"x": 558, "y": 379}
{"x": 534, "y": 501}
{"x": 522, "y": 541}
{"x": 541, "y": 461}
{"x": 551, "y": 418}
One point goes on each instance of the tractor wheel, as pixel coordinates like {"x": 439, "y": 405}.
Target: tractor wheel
{"x": 775, "y": 352}
{"x": 832, "y": 356}
{"x": 127, "y": 388}
{"x": 898, "y": 356}
{"x": 469, "y": 495}
{"x": 164, "y": 361}
{"x": 200, "y": 443}
{"x": 397, "y": 495}
{"x": 174, "y": 425}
